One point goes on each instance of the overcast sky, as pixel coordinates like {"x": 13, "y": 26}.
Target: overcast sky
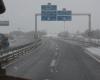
{"x": 20, "y": 13}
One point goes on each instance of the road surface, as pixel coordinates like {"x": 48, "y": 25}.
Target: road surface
{"x": 56, "y": 60}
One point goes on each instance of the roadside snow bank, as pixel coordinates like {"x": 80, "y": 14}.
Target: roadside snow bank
{"x": 94, "y": 50}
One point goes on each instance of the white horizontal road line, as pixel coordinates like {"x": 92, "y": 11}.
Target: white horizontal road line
{"x": 94, "y": 57}
{"x": 53, "y": 66}
{"x": 53, "y": 69}
{"x": 56, "y": 53}
{"x": 57, "y": 48}
{"x": 16, "y": 68}
{"x": 53, "y": 63}
{"x": 56, "y": 45}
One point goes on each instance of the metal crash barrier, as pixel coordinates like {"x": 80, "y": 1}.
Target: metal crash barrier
{"x": 11, "y": 54}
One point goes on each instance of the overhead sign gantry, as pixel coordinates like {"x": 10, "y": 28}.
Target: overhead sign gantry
{"x": 50, "y": 12}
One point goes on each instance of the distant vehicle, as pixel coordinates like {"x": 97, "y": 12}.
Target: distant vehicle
{"x": 4, "y": 43}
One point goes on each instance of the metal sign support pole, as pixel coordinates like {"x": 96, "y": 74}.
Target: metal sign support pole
{"x": 89, "y": 24}
{"x": 35, "y": 35}
{"x": 64, "y": 26}
{"x": 36, "y": 32}
{"x": 89, "y": 27}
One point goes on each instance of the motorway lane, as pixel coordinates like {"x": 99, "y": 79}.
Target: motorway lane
{"x": 35, "y": 65}
{"x": 75, "y": 64}
{"x": 56, "y": 60}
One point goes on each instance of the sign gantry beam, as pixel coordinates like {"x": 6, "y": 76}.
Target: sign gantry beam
{"x": 73, "y": 14}
{"x": 81, "y": 14}
{"x": 50, "y": 12}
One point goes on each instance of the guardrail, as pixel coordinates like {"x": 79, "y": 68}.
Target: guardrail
{"x": 88, "y": 42}
{"x": 13, "y": 53}
{"x": 85, "y": 43}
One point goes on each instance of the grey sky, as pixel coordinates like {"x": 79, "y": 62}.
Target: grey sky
{"x": 21, "y": 14}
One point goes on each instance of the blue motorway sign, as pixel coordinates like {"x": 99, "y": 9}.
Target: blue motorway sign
{"x": 64, "y": 12}
{"x": 50, "y": 13}
{"x": 64, "y": 15}
{"x": 64, "y": 18}
{"x": 48, "y": 18}
{"x": 49, "y": 7}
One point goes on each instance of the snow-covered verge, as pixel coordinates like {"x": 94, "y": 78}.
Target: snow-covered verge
{"x": 90, "y": 49}
{"x": 94, "y": 52}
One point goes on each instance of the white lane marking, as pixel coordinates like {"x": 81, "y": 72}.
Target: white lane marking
{"x": 56, "y": 70}
{"x": 56, "y": 45}
{"x": 53, "y": 63}
{"x": 57, "y": 48}
{"x": 16, "y": 68}
{"x": 56, "y": 54}
{"x": 53, "y": 69}
{"x": 53, "y": 66}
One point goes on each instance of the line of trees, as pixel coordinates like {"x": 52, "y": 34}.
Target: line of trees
{"x": 95, "y": 34}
